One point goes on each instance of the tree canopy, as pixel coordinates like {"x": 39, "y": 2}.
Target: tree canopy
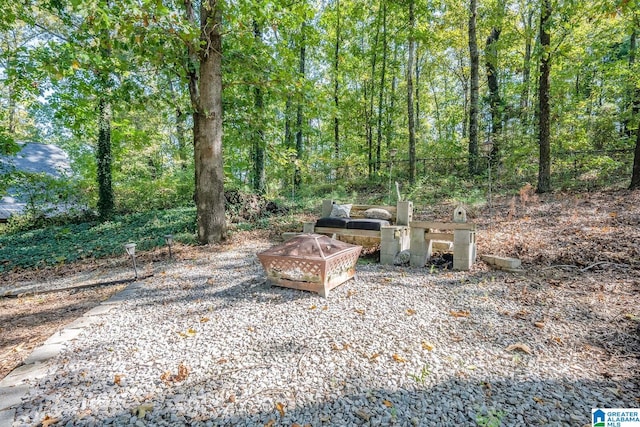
{"x": 316, "y": 93}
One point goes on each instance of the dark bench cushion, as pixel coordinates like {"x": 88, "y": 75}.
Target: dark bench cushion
{"x": 366, "y": 224}
{"x": 332, "y": 221}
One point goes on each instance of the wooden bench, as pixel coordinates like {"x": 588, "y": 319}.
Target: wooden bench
{"x": 393, "y": 238}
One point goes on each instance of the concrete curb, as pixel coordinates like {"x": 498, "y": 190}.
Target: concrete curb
{"x": 15, "y": 386}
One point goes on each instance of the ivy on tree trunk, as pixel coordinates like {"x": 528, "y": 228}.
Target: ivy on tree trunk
{"x": 103, "y": 159}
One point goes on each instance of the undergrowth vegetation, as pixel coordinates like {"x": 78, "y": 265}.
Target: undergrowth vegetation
{"x": 58, "y": 244}
{"x": 34, "y": 240}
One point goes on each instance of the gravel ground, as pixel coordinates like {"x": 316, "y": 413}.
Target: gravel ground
{"x": 207, "y": 342}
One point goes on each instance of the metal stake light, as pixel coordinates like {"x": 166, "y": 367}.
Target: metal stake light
{"x": 169, "y": 239}
{"x": 131, "y": 250}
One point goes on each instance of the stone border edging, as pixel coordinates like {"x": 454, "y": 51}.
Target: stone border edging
{"x": 14, "y": 387}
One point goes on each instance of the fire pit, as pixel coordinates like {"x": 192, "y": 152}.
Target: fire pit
{"x": 311, "y": 262}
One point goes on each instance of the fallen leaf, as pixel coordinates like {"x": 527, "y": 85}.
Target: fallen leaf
{"x": 204, "y": 319}
{"x": 558, "y": 340}
{"x": 49, "y": 420}
{"x": 350, "y": 293}
{"x": 387, "y": 404}
{"x": 398, "y": 358}
{"x": 461, "y": 313}
{"x": 191, "y": 332}
{"x": 270, "y": 423}
{"x": 231, "y": 398}
{"x": 410, "y": 312}
{"x": 336, "y": 347}
{"x": 251, "y": 329}
{"x": 520, "y": 347}
{"x": 521, "y": 313}
{"x": 117, "y": 379}
{"x": 613, "y": 214}
{"x": 280, "y": 408}
{"x": 313, "y": 307}
{"x": 374, "y": 356}
{"x": 325, "y": 307}
{"x": 359, "y": 311}
{"x": 426, "y": 345}
{"x": 183, "y": 373}
{"x": 538, "y": 400}
{"x": 221, "y": 361}
{"x": 142, "y": 410}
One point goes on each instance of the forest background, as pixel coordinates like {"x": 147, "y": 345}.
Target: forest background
{"x": 320, "y": 99}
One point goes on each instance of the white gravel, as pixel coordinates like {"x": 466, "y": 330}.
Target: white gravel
{"x": 395, "y": 346}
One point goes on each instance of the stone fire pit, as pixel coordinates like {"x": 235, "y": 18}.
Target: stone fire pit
{"x": 311, "y": 262}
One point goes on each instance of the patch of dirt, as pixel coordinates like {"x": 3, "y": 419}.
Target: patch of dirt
{"x": 27, "y": 321}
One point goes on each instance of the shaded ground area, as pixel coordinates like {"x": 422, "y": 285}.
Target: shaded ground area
{"x": 576, "y": 249}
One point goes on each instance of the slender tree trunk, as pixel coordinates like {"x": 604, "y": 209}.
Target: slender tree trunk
{"x": 299, "y": 115}
{"x": 104, "y": 160}
{"x": 181, "y": 140}
{"x": 474, "y": 93}
{"x": 417, "y": 87}
{"x": 495, "y": 103}
{"x": 288, "y": 134}
{"x": 371, "y": 97}
{"x": 635, "y": 175}
{"x": 544, "y": 126}
{"x": 208, "y": 129}
{"x": 634, "y": 102}
{"x": 392, "y": 103}
{"x": 526, "y": 68}
{"x": 410, "y": 114}
{"x": 336, "y": 85}
{"x": 259, "y": 145}
{"x": 436, "y": 105}
{"x": 382, "y": 84}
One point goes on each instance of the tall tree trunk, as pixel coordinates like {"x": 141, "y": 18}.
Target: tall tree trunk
{"x": 474, "y": 91}
{"x": 259, "y": 146}
{"x": 382, "y": 84}
{"x": 371, "y": 95}
{"x": 410, "y": 114}
{"x": 207, "y": 130}
{"x": 544, "y": 126}
{"x": 495, "y": 103}
{"x": 634, "y": 90}
{"x": 297, "y": 180}
{"x": 103, "y": 152}
{"x": 336, "y": 85}
{"x": 526, "y": 67}
{"x": 635, "y": 175}
{"x": 104, "y": 160}
{"x": 391, "y": 103}
{"x": 417, "y": 87}
{"x": 288, "y": 134}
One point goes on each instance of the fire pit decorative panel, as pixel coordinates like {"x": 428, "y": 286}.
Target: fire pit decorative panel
{"x": 311, "y": 262}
